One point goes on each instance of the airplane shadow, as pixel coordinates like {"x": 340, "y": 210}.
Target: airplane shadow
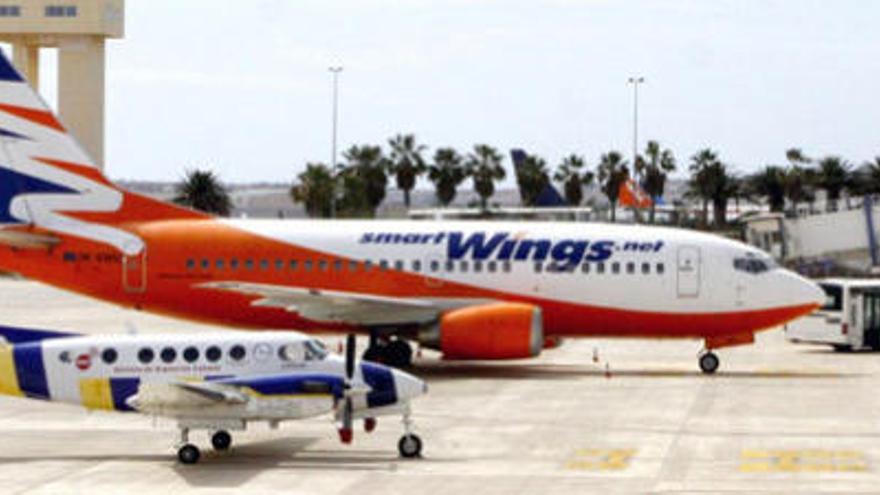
{"x": 440, "y": 371}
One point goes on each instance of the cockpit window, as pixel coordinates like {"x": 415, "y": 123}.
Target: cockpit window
{"x": 754, "y": 265}
{"x": 315, "y": 350}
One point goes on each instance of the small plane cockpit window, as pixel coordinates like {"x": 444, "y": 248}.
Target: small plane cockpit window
{"x": 168, "y": 355}
{"x": 146, "y": 355}
{"x": 109, "y": 355}
{"x": 315, "y": 350}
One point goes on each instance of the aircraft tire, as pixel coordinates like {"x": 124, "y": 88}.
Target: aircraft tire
{"x": 188, "y": 454}
{"x": 410, "y": 446}
{"x": 221, "y": 440}
{"x": 709, "y": 363}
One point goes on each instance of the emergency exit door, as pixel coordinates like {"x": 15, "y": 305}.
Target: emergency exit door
{"x": 134, "y": 272}
{"x": 688, "y": 271}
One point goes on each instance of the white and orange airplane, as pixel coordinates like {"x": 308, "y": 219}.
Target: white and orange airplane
{"x": 472, "y": 290}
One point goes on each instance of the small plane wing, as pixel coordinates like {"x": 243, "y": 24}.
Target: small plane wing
{"x": 345, "y": 307}
{"x": 183, "y": 395}
{"x": 213, "y": 391}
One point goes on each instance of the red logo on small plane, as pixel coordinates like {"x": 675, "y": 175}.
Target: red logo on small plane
{"x": 83, "y": 361}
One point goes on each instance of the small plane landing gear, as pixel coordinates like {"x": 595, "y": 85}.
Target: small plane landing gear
{"x": 221, "y": 440}
{"x": 409, "y": 445}
{"x": 709, "y": 362}
{"x": 187, "y": 453}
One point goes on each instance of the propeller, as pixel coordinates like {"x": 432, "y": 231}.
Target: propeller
{"x": 346, "y": 432}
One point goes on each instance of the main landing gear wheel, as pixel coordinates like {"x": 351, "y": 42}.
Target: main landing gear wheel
{"x": 221, "y": 440}
{"x": 188, "y": 454}
{"x": 709, "y": 363}
{"x": 410, "y": 446}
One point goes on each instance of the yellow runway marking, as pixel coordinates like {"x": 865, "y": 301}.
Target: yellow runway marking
{"x": 601, "y": 459}
{"x": 802, "y": 461}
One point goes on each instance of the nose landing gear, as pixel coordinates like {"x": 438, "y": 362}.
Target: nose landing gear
{"x": 709, "y": 362}
{"x": 409, "y": 445}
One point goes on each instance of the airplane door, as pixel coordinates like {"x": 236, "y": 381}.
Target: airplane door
{"x": 688, "y": 271}
{"x": 134, "y": 272}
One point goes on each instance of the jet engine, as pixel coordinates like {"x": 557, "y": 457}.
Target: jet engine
{"x": 488, "y": 331}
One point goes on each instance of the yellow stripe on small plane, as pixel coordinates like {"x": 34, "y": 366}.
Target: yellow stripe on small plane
{"x": 8, "y": 376}
{"x": 95, "y": 393}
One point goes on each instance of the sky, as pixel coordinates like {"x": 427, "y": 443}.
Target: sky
{"x": 243, "y": 88}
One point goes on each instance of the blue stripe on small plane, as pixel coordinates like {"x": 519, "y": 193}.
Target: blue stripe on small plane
{"x": 381, "y": 382}
{"x": 7, "y": 71}
{"x": 121, "y": 389}
{"x": 289, "y": 385}
{"x": 30, "y": 370}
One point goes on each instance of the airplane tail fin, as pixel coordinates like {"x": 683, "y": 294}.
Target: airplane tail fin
{"x": 48, "y": 181}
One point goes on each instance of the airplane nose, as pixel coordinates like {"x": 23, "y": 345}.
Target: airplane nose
{"x": 804, "y": 292}
{"x": 408, "y": 386}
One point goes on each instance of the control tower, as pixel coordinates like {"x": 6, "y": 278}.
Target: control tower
{"x": 78, "y": 29}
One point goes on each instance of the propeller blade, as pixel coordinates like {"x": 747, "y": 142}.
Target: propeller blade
{"x": 349, "y": 357}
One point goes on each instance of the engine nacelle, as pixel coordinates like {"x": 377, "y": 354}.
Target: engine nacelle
{"x": 489, "y": 331}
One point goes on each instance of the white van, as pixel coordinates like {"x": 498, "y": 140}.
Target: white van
{"x": 849, "y": 320}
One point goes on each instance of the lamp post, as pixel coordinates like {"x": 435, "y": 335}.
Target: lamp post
{"x": 635, "y": 81}
{"x": 335, "y": 70}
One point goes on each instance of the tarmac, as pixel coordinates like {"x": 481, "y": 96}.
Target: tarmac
{"x": 593, "y": 416}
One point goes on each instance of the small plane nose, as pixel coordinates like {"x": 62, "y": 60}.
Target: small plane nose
{"x": 408, "y": 386}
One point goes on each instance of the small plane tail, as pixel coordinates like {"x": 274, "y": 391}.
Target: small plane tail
{"x": 47, "y": 180}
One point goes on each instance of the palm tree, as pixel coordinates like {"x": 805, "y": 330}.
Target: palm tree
{"x": 202, "y": 190}
{"x": 484, "y": 168}
{"x": 315, "y": 189}
{"x": 532, "y": 178}
{"x": 406, "y": 163}
{"x": 796, "y": 157}
{"x": 364, "y": 180}
{"x": 612, "y": 173}
{"x": 653, "y": 171}
{"x": 866, "y": 180}
{"x": 447, "y": 173}
{"x": 572, "y": 179}
{"x": 724, "y": 186}
{"x": 700, "y": 184}
{"x": 797, "y": 185}
{"x": 834, "y": 175}
{"x": 769, "y": 183}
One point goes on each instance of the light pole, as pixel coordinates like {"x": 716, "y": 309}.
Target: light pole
{"x": 335, "y": 70}
{"x": 635, "y": 81}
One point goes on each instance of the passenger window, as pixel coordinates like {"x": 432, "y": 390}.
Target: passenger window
{"x": 398, "y": 265}
{"x": 660, "y": 268}
{"x": 383, "y": 265}
{"x": 600, "y": 267}
{"x": 233, "y": 264}
{"x": 190, "y": 354}
{"x": 450, "y": 265}
{"x": 337, "y": 265}
{"x": 539, "y": 267}
{"x": 168, "y": 354}
{"x": 478, "y": 266}
{"x": 585, "y": 268}
{"x": 417, "y": 266}
{"x": 506, "y": 266}
{"x": 109, "y": 355}
{"x": 463, "y": 266}
{"x": 237, "y": 352}
{"x": 206, "y": 264}
{"x": 322, "y": 265}
{"x": 213, "y": 354}
{"x": 290, "y": 352}
{"x": 368, "y": 265}
{"x": 146, "y": 355}
{"x": 249, "y": 264}
{"x": 190, "y": 264}
{"x": 352, "y": 266}
{"x": 219, "y": 264}
{"x": 435, "y": 265}
{"x": 630, "y": 267}
{"x": 292, "y": 264}
{"x": 279, "y": 265}
{"x": 646, "y": 268}
{"x": 307, "y": 265}
{"x": 264, "y": 265}
{"x": 615, "y": 268}
{"x": 491, "y": 266}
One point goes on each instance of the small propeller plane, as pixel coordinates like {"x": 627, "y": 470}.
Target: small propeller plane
{"x": 215, "y": 382}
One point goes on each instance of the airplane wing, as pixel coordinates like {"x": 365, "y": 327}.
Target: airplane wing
{"x": 345, "y": 307}
{"x": 213, "y": 391}
{"x": 177, "y": 395}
